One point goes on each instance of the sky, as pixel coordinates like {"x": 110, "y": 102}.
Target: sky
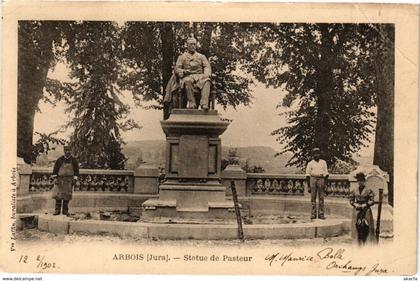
{"x": 251, "y": 125}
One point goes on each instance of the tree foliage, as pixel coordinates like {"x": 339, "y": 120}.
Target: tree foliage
{"x": 151, "y": 49}
{"x": 105, "y": 59}
{"x": 45, "y": 144}
{"x": 93, "y": 52}
{"x": 325, "y": 71}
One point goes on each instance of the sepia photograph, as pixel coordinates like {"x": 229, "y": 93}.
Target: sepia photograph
{"x": 200, "y": 144}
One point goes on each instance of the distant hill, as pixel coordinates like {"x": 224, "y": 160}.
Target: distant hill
{"x": 148, "y": 151}
{"x": 264, "y": 157}
{"x": 153, "y": 152}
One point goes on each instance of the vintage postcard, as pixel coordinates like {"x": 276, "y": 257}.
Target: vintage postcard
{"x": 209, "y": 138}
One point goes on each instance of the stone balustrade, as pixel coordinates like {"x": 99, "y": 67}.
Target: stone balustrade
{"x": 89, "y": 180}
{"x": 275, "y": 184}
{"x": 293, "y": 184}
{"x": 145, "y": 180}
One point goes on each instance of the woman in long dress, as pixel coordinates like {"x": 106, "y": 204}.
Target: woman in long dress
{"x": 362, "y": 198}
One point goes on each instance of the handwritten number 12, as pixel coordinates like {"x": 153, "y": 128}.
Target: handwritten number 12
{"x": 23, "y": 259}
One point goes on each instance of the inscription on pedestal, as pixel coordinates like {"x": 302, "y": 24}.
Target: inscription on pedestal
{"x": 212, "y": 159}
{"x": 193, "y": 156}
{"x": 174, "y": 160}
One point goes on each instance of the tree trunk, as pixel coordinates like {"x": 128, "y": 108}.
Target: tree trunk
{"x": 384, "y": 137}
{"x": 168, "y": 58}
{"x": 325, "y": 86}
{"x": 34, "y": 59}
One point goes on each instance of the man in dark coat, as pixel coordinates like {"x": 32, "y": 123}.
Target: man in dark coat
{"x": 66, "y": 170}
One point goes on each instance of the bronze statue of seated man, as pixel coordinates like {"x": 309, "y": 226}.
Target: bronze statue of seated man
{"x": 191, "y": 73}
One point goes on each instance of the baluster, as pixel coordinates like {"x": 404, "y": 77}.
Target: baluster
{"x": 100, "y": 183}
{"x": 347, "y": 189}
{"x": 51, "y": 182}
{"x": 270, "y": 186}
{"x": 328, "y": 190}
{"x": 83, "y": 183}
{"x": 105, "y": 183}
{"x": 289, "y": 186}
{"x": 340, "y": 190}
{"x": 292, "y": 186}
{"x": 263, "y": 187}
{"x": 94, "y": 183}
{"x": 77, "y": 185}
{"x": 283, "y": 186}
{"x": 112, "y": 184}
{"x": 276, "y": 186}
{"x": 334, "y": 188}
{"x": 44, "y": 183}
{"x": 117, "y": 184}
{"x": 298, "y": 186}
{"x": 122, "y": 183}
{"x": 267, "y": 185}
{"x": 259, "y": 186}
{"x": 126, "y": 182}
{"x": 38, "y": 184}
{"x": 32, "y": 184}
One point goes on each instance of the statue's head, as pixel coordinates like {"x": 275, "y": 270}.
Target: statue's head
{"x": 191, "y": 44}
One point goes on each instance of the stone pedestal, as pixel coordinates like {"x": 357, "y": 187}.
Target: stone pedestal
{"x": 146, "y": 179}
{"x": 376, "y": 179}
{"x": 192, "y": 186}
{"x": 25, "y": 172}
{"x": 234, "y": 172}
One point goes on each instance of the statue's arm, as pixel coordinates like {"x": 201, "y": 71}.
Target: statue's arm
{"x": 206, "y": 66}
{"x": 179, "y": 71}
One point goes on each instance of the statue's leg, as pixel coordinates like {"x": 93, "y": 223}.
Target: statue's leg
{"x": 176, "y": 100}
{"x": 189, "y": 89}
{"x": 205, "y": 94}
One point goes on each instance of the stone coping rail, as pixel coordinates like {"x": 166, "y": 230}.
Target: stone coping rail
{"x": 333, "y": 177}
{"x": 40, "y": 170}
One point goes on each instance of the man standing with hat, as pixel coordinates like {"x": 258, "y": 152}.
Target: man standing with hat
{"x": 66, "y": 170}
{"x": 194, "y": 70}
{"x": 317, "y": 175}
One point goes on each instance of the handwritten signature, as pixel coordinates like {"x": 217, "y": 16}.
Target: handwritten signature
{"x": 335, "y": 258}
{"x": 290, "y": 257}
